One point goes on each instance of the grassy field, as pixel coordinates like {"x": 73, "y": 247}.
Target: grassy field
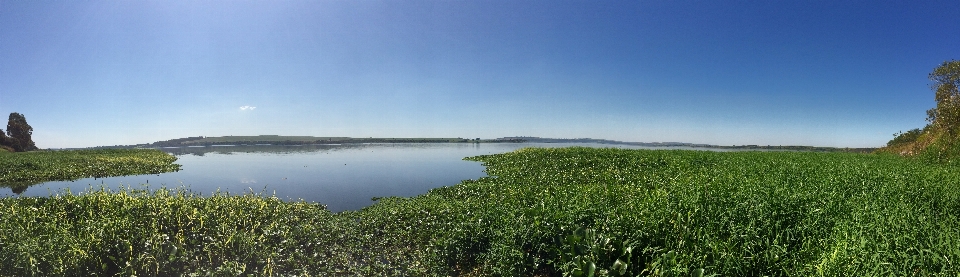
{"x": 27, "y": 168}
{"x": 545, "y": 212}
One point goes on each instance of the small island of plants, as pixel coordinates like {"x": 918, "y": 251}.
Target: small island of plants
{"x": 27, "y": 168}
{"x": 23, "y": 164}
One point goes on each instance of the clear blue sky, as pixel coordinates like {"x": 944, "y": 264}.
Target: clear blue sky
{"x": 825, "y": 73}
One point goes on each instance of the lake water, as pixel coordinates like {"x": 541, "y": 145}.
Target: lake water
{"x": 343, "y": 177}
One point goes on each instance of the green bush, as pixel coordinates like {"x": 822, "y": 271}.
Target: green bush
{"x": 905, "y": 137}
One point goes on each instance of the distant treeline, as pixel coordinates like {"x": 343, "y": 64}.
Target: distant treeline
{"x": 176, "y": 142}
{"x": 797, "y": 148}
{"x": 694, "y": 145}
{"x": 309, "y": 140}
{"x": 300, "y": 140}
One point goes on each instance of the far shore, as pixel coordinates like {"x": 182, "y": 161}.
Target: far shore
{"x": 277, "y": 140}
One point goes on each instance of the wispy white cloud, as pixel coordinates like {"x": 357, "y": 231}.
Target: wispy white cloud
{"x": 247, "y": 108}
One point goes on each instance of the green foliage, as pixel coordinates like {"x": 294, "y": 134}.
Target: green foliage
{"x": 586, "y": 254}
{"x": 905, "y": 137}
{"x": 165, "y": 233}
{"x": 542, "y": 212}
{"x": 738, "y": 214}
{"x": 5, "y": 142}
{"x": 937, "y": 142}
{"x": 946, "y": 116}
{"x": 19, "y": 169}
{"x": 20, "y": 133}
{"x": 945, "y": 150}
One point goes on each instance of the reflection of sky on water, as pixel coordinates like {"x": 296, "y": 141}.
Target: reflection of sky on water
{"x": 342, "y": 177}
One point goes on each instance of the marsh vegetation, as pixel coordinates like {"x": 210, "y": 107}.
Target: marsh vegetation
{"x": 22, "y": 169}
{"x": 542, "y": 212}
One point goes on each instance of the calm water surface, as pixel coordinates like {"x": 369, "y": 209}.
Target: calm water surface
{"x": 343, "y": 177}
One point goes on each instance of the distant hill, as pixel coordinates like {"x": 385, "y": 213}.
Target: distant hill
{"x": 292, "y": 140}
{"x": 696, "y": 145}
{"x": 311, "y": 140}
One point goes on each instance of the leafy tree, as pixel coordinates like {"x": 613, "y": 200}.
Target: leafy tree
{"x": 20, "y": 133}
{"x": 940, "y": 139}
{"x": 946, "y": 116}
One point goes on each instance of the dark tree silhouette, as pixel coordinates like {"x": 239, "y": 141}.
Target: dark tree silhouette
{"x": 5, "y": 142}
{"x": 20, "y": 133}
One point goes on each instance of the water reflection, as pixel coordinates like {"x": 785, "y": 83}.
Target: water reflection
{"x": 343, "y": 177}
{"x": 260, "y": 148}
{"x": 19, "y": 188}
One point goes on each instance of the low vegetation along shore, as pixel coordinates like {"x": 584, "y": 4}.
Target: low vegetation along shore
{"x": 544, "y": 212}
{"x": 22, "y": 169}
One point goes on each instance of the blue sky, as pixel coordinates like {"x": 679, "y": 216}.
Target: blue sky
{"x": 825, "y": 73}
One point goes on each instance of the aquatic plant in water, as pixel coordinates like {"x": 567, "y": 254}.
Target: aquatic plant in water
{"x": 19, "y": 170}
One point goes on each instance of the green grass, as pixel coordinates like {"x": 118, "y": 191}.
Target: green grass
{"x": 27, "y": 168}
{"x": 546, "y": 212}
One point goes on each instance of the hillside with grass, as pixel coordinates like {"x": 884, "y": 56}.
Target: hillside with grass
{"x": 939, "y": 141}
